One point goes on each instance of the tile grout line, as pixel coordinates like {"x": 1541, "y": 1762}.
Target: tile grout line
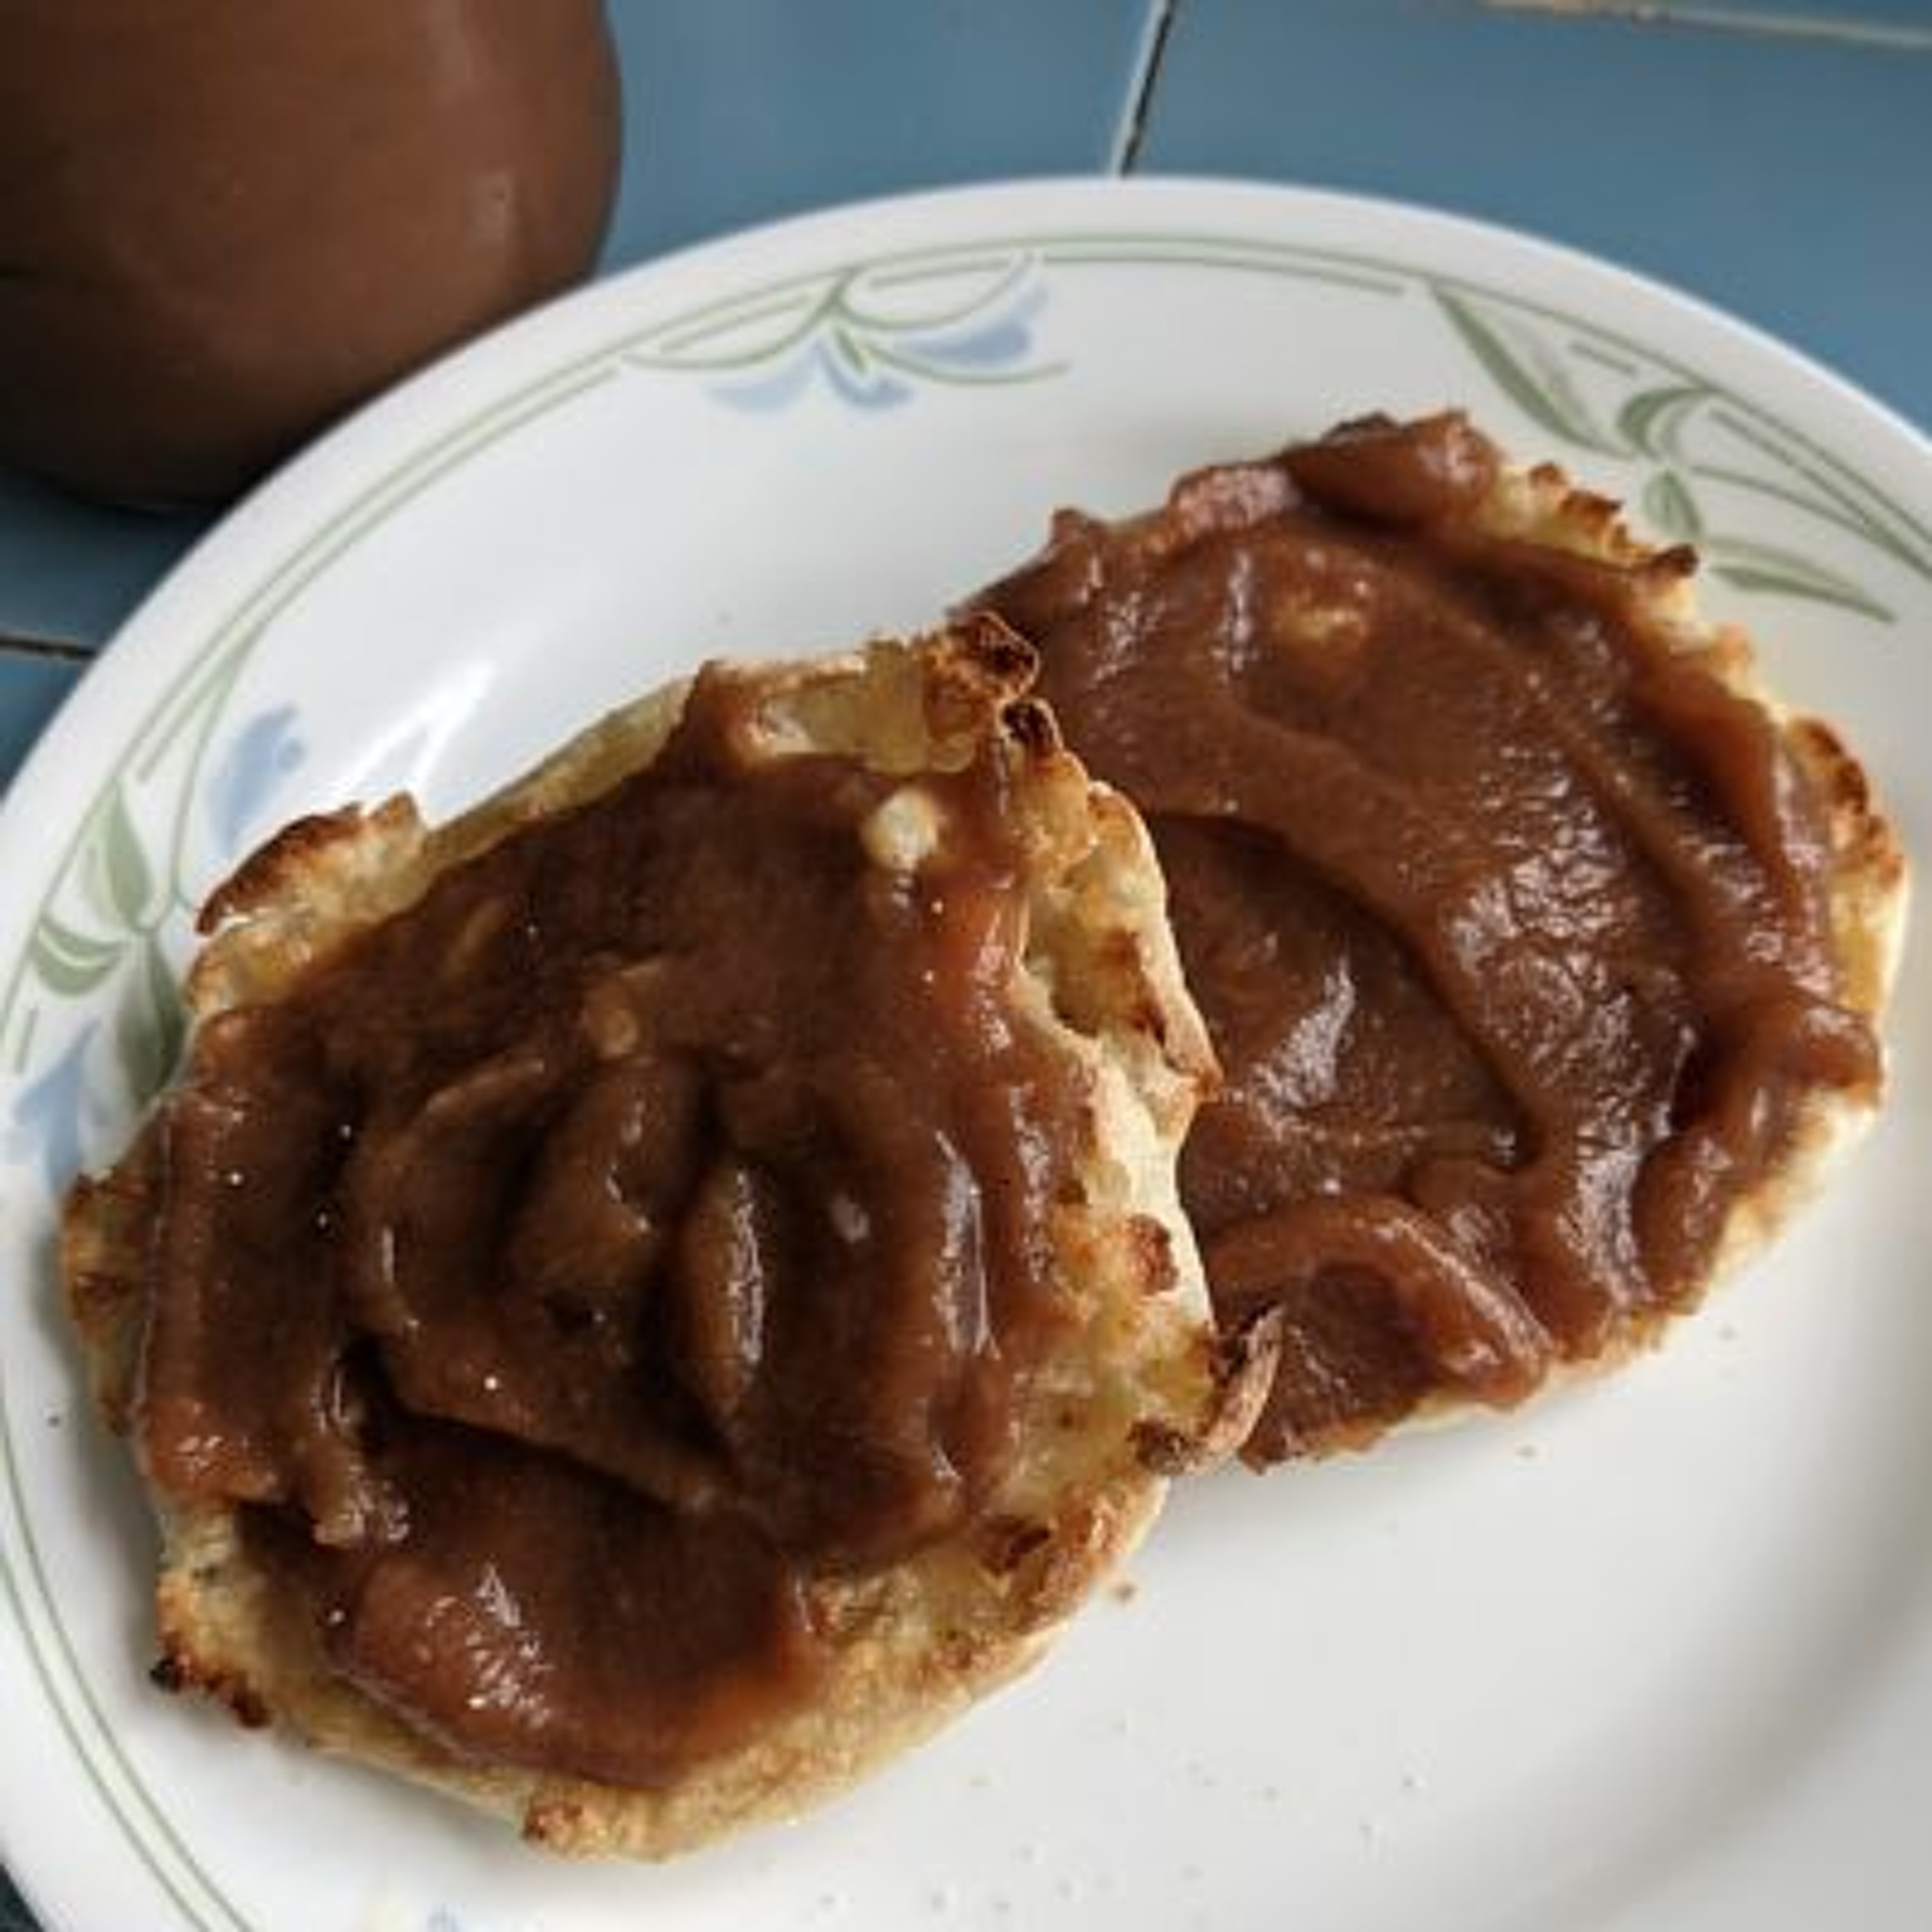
{"x": 1132, "y": 126}
{"x": 44, "y": 648}
{"x": 1875, "y": 34}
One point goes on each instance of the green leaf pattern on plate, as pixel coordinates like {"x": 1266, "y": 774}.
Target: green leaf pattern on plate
{"x": 872, "y": 333}
{"x": 1527, "y": 369}
{"x": 1701, "y": 458}
{"x": 1671, "y": 508}
{"x": 106, "y": 942}
{"x": 129, "y": 878}
{"x": 69, "y": 962}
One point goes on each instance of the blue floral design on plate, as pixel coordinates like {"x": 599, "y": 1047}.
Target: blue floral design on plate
{"x": 46, "y": 1114}
{"x": 260, "y": 755}
{"x": 873, "y": 335}
{"x": 1001, "y": 342}
{"x": 874, "y": 361}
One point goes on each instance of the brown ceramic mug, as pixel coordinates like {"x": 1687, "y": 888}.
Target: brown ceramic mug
{"x": 224, "y": 222}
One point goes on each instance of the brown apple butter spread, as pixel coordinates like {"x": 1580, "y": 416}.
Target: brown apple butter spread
{"x": 1509, "y": 924}
{"x": 651, "y": 1218}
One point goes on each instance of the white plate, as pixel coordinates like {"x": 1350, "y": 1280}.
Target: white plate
{"x": 1656, "y": 1654}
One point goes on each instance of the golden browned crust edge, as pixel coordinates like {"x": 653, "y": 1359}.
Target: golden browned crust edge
{"x": 912, "y": 1646}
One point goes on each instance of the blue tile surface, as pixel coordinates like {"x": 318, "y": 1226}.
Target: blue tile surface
{"x": 72, "y": 570}
{"x": 1788, "y": 180}
{"x": 747, "y": 109}
{"x": 31, "y": 688}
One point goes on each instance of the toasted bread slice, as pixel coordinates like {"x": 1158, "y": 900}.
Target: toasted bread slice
{"x": 1137, "y": 1388}
{"x": 1240, "y": 652}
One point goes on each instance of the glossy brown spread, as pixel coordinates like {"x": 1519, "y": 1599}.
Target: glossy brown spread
{"x": 650, "y": 1220}
{"x": 1509, "y": 924}
{"x": 223, "y": 222}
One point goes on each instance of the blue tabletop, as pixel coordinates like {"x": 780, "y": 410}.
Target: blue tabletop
{"x": 1772, "y": 156}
